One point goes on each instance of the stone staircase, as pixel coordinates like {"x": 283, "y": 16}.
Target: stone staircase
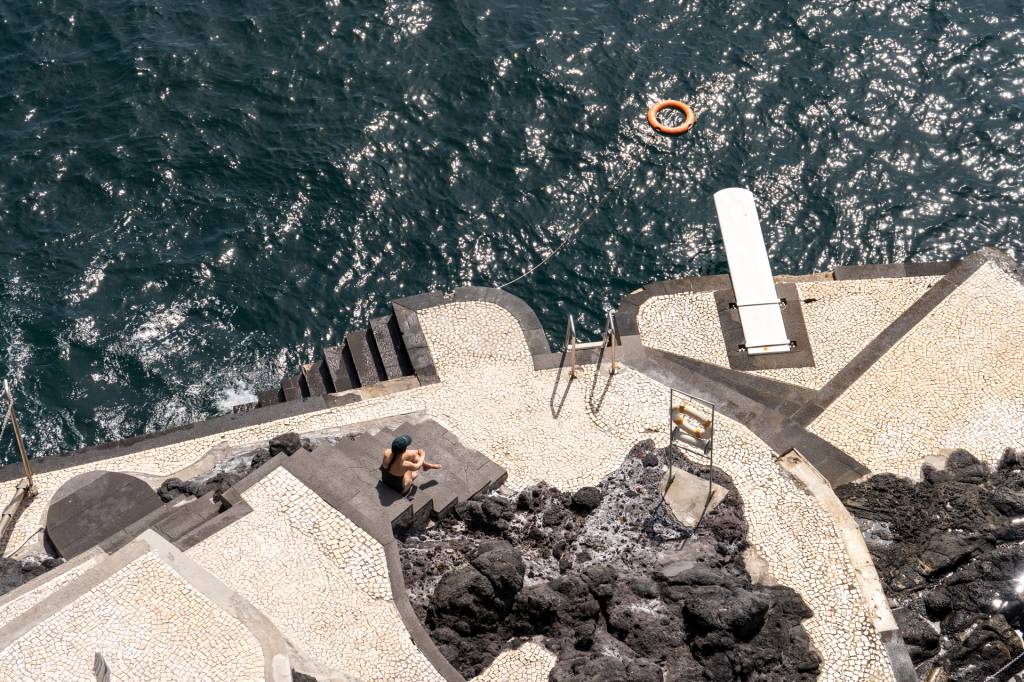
{"x": 351, "y": 466}
{"x": 367, "y": 357}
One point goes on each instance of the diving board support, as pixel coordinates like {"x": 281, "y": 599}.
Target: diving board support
{"x": 758, "y": 305}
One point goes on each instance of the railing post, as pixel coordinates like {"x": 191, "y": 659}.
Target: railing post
{"x": 17, "y": 437}
{"x": 570, "y": 338}
{"x": 612, "y": 331}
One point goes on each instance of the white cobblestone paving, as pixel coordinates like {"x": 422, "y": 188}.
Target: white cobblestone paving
{"x": 846, "y": 316}
{"x": 568, "y": 434}
{"x": 14, "y": 608}
{"x": 531, "y": 662}
{"x": 148, "y": 623}
{"x": 956, "y": 380}
{"x": 320, "y": 578}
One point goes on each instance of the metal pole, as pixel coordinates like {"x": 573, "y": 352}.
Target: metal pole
{"x": 613, "y": 332}
{"x": 671, "y": 426}
{"x": 18, "y": 439}
{"x": 572, "y": 337}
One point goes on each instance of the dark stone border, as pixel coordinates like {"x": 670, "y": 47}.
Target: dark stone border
{"x": 802, "y": 354}
{"x": 892, "y": 270}
{"x": 629, "y": 307}
{"x": 902, "y": 325}
{"x": 406, "y": 310}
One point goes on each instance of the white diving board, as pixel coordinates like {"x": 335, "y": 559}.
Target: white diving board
{"x": 759, "y": 306}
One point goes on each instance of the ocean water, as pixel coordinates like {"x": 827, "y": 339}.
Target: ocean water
{"x": 195, "y": 195}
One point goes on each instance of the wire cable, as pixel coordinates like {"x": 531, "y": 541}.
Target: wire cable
{"x": 574, "y": 231}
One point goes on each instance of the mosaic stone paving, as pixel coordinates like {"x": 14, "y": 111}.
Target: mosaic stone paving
{"x": 956, "y": 380}
{"x": 143, "y": 603}
{"x": 13, "y": 608}
{"x": 540, "y": 426}
{"x": 531, "y": 662}
{"x": 320, "y": 578}
{"x": 845, "y": 316}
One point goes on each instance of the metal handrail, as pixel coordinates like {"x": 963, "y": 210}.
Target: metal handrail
{"x": 570, "y": 338}
{"x": 611, "y": 333}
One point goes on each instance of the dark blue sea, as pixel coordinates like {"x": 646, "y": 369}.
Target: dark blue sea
{"x": 195, "y": 195}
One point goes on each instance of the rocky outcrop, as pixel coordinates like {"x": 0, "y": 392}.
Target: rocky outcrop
{"x": 947, "y": 550}
{"x": 14, "y": 572}
{"x": 615, "y": 586}
{"x": 231, "y": 471}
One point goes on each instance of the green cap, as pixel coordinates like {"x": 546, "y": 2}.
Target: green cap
{"x": 399, "y": 444}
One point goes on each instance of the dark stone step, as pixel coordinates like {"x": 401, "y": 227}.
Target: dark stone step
{"x": 366, "y": 358}
{"x": 340, "y": 368}
{"x": 317, "y": 378}
{"x": 187, "y": 517}
{"x": 271, "y": 396}
{"x": 392, "y": 351}
{"x": 244, "y": 407}
{"x": 351, "y": 469}
{"x": 292, "y": 388}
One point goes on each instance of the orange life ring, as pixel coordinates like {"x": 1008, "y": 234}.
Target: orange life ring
{"x": 652, "y": 117}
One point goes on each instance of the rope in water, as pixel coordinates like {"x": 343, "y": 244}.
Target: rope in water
{"x": 652, "y": 118}
{"x": 574, "y": 231}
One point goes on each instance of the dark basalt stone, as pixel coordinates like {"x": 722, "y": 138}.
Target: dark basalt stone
{"x": 14, "y": 573}
{"x": 603, "y": 589}
{"x": 921, "y": 638}
{"x": 286, "y": 443}
{"x": 587, "y": 499}
{"x": 947, "y": 549}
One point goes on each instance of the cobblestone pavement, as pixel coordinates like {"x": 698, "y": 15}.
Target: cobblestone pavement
{"x": 845, "y": 316}
{"x": 45, "y": 586}
{"x": 789, "y": 529}
{"x": 956, "y": 380}
{"x": 148, "y": 623}
{"x": 568, "y": 433}
{"x": 531, "y": 662}
{"x": 490, "y": 396}
{"x": 320, "y": 578}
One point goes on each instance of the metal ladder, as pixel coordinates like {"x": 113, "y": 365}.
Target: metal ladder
{"x": 610, "y": 339}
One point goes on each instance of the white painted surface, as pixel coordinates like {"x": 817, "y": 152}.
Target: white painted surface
{"x": 750, "y": 272}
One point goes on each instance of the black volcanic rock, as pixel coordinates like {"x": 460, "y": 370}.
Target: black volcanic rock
{"x": 491, "y": 515}
{"x": 14, "y": 573}
{"x": 921, "y": 638}
{"x": 586, "y": 499}
{"x": 286, "y": 443}
{"x": 503, "y": 567}
{"x": 947, "y": 550}
{"x": 605, "y": 578}
{"x": 464, "y": 601}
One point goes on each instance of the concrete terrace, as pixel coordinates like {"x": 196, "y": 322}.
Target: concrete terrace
{"x": 299, "y": 564}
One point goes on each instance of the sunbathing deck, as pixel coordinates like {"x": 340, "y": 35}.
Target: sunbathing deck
{"x": 843, "y": 318}
{"x": 935, "y": 365}
{"x": 956, "y": 380}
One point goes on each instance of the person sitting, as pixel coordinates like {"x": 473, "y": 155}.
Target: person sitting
{"x": 401, "y": 465}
